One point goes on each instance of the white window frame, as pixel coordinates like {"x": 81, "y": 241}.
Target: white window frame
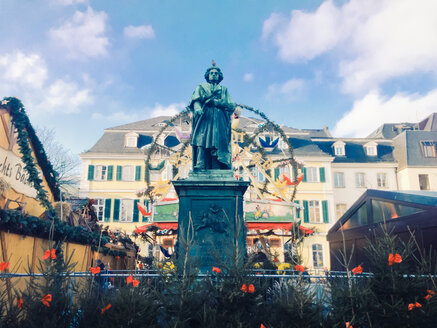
{"x": 126, "y": 210}
{"x": 340, "y": 209}
{"x": 319, "y": 255}
{"x": 131, "y": 140}
{"x": 312, "y": 174}
{"x": 99, "y": 208}
{"x": 381, "y": 180}
{"x": 257, "y": 174}
{"x": 371, "y": 151}
{"x": 100, "y": 173}
{"x": 128, "y": 173}
{"x": 337, "y": 181}
{"x": 315, "y": 211}
{"x": 429, "y": 148}
{"x": 360, "y": 180}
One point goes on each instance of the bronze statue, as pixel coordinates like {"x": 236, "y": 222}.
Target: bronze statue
{"x": 212, "y": 109}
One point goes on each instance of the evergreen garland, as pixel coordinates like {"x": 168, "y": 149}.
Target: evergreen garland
{"x": 248, "y": 140}
{"x": 25, "y": 133}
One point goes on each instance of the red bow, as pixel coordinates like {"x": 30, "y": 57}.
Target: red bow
{"x": 95, "y": 270}
{"x": 292, "y": 183}
{"x": 107, "y": 307}
{"x": 431, "y": 293}
{"x": 19, "y": 303}
{"x": 357, "y": 270}
{"x": 411, "y": 306}
{"x": 4, "y": 266}
{"x": 348, "y": 325}
{"x": 299, "y": 267}
{"x": 134, "y": 282}
{"x": 117, "y": 257}
{"x": 394, "y": 259}
{"x": 215, "y": 269}
{"x": 248, "y": 288}
{"x": 143, "y": 211}
{"x": 49, "y": 253}
{"x": 47, "y": 299}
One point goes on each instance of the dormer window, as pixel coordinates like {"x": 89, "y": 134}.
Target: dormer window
{"x": 131, "y": 140}
{"x": 339, "y": 148}
{"x": 371, "y": 149}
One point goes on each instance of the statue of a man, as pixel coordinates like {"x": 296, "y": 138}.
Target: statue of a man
{"x": 212, "y": 109}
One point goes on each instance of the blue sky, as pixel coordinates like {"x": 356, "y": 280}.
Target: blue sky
{"x": 81, "y": 66}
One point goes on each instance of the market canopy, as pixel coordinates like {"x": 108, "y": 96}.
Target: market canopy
{"x": 276, "y": 226}
{"x": 159, "y": 225}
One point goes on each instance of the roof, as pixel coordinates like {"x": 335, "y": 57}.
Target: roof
{"x": 304, "y": 146}
{"x": 411, "y": 148}
{"x": 423, "y": 199}
{"x": 429, "y": 123}
{"x": 355, "y": 153}
{"x": 391, "y": 130}
{"x": 113, "y": 139}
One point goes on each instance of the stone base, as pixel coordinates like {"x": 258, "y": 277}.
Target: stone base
{"x": 213, "y": 200}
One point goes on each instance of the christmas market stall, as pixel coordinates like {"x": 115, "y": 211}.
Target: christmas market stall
{"x": 404, "y": 214}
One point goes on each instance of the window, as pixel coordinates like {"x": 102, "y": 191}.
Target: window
{"x": 428, "y": 148}
{"x": 167, "y": 242}
{"x": 131, "y": 140}
{"x": 340, "y": 209}
{"x": 381, "y": 180}
{"x": 338, "y": 179}
{"x": 358, "y": 219}
{"x": 126, "y": 210}
{"x": 317, "y": 256}
{"x": 99, "y": 208}
{"x": 360, "y": 180}
{"x": 257, "y": 174}
{"x": 383, "y": 211}
{"x": 314, "y": 211}
{"x": 339, "y": 150}
{"x": 312, "y": 174}
{"x": 275, "y": 242}
{"x": 371, "y": 151}
{"x": 370, "y": 148}
{"x": 128, "y": 173}
{"x": 100, "y": 173}
{"x": 423, "y": 182}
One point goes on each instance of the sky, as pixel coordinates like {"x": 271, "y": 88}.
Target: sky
{"x": 80, "y": 66}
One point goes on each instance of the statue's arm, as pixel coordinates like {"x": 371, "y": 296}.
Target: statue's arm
{"x": 225, "y": 102}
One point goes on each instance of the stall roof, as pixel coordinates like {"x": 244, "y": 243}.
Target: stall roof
{"x": 422, "y": 199}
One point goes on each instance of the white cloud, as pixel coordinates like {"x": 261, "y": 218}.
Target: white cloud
{"x": 368, "y": 113}
{"x": 22, "y": 69}
{"x": 139, "y": 32}
{"x": 170, "y": 110}
{"x": 83, "y": 35}
{"x": 248, "y": 77}
{"x": 64, "y": 97}
{"x": 375, "y": 40}
{"x": 289, "y": 89}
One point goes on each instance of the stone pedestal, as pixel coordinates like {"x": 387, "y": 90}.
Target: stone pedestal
{"x": 213, "y": 200}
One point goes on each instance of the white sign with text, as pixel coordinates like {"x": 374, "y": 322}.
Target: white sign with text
{"x": 13, "y": 172}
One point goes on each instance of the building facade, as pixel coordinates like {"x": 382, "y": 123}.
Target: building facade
{"x": 332, "y": 173}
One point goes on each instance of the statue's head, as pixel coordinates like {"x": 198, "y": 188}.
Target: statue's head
{"x": 208, "y": 73}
